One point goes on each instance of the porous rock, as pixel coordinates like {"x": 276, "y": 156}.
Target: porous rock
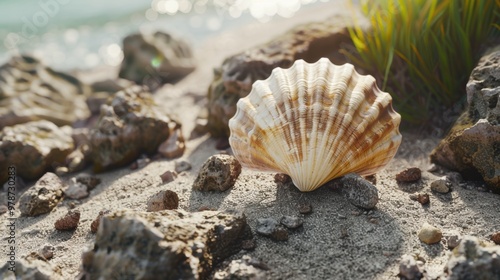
{"x": 155, "y": 59}
{"x": 164, "y": 200}
{"x": 218, "y": 173}
{"x": 234, "y": 79}
{"x": 130, "y": 125}
{"x": 69, "y": 221}
{"x": 429, "y": 234}
{"x": 471, "y": 261}
{"x": 472, "y": 147}
{"x": 42, "y": 197}
{"x": 30, "y": 268}
{"x": 172, "y": 243}
{"x": 31, "y": 91}
{"x": 33, "y": 148}
{"x": 357, "y": 190}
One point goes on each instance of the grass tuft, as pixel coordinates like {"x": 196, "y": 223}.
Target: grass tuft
{"x": 423, "y": 51}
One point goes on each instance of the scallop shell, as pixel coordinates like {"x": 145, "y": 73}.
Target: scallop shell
{"x": 315, "y": 122}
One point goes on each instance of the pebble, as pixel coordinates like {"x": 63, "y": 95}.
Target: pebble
{"x": 94, "y": 226}
{"x": 305, "y": 208}
{"x": 421, "y": 198}
{"x": 270, "y": 228}
{"x": 452, "y": 241}
{"x": 281, "y": 178}
{"x": 181, "y": 166}
{"x": 358, "y": 191}
{"x": 429, "y": 234}
{"x": 69, "y": 221}
{"x": 47, "y": 251}
{"x": 441, "y": 185}
{"x": 291, "y": 222}
{"x": 164, "y": 200}
{"x": 175, "y": 145}
{"x": 218, "y": 173}
{"x": 408, "y": 268}
{"x": 411, "y": 174}
{"x": 168, "y": 176}
{"x": 88, "y": 180}
{"x": 495, "y": 237}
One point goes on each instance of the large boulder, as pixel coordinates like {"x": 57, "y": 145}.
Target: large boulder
{"x": 154, "y": 59}
{"x": 472, "y": 147}
{"x": 169, "y": 244}
{"x": 234, "y": 79}
{"x": 33, "y": 148}
{"x": 130, "y": 125}
{"x": 30, "y": 91}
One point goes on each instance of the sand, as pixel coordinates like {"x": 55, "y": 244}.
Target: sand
{"x": 337, "y": 240}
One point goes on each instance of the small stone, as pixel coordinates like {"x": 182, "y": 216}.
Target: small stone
{"x": 495, "y": 237}
{"x": 175, "y": 145}
{"x": 452, "y": 241}
{"x": 441, "y": 185}
{"x": 94, "y": 226}
{"x": 372, "y": 179}
{"x": 168, "y": 176}
{"x": 164, "y": 200}
{"x": 266, "y": 227}
{"x": 181, "y": 166}
{"x": 421, "y": 198}
{"x": 69, "y": 221}
{"x": 305, "y": 208}
{"x": 409, "y": 269}
{"x": 429, "y": 234}
{"x": 76, "y": 190}
{"x": 281, "y": 178}
{"x": 411, "y": 174}
{"x": 357, "y": 190}
{"x": 291, "y": 222}
{"x": 218, "y": 173}
{"x": 222, "y": 143}
{"x": 280, "y": 234}
{"x": 47, "y": 251}
{"x": 248, "y": 245}
{"x": 42, "y": 197}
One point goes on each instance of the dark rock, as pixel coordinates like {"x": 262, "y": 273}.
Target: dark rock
{"x": 172, "y": 243}
{"x": 218, "y": 173}
{"x": 42, "y": 197}
{"x": 423, "y": 199}
{"x": 357, "y": 190}
{"x": 181, "y": 166}
{"x": 69, "y": 221}
{"x": 234, "y": 79}
{"x": 409, "y": 269}
{"x": 242, "y": 269}
{"x": 280, "y": 234}
{"x": 471, "y": 261}
{"x": 33, "y": 148}
{"x": 248, "y": 245}
{"x": 452, "y": 241}
{"x": 291, "y": 222}
{"x": 155, "y": 59}
{"x": 164, "y": 200}
{"x": 94, "y": 226}
{"x": 30, "y": 91}
{"x": 281, "y": 178}
{"x": 409, "y": 175}
{"x": 473, "y": 144}
{"x": 130, "y": 125}
{"x": 495, "y": 237}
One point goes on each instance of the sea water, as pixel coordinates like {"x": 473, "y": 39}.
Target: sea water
{"x": 69, "y": 34}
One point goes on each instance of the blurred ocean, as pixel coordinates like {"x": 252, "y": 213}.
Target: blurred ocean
{"x": 68, "y": 34}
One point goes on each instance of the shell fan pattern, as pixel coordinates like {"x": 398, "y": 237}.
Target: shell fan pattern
{"x": 315, "y": 122}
